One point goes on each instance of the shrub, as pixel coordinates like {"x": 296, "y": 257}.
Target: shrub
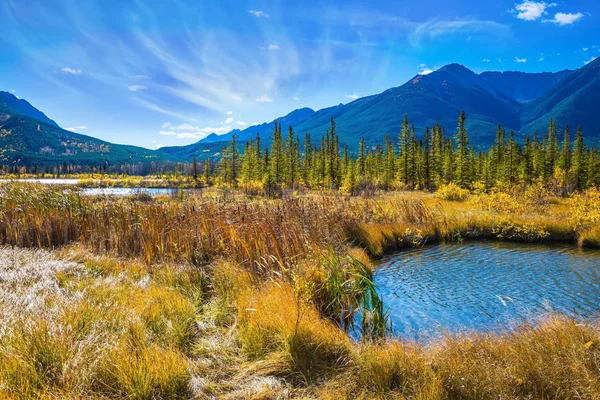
{"x": 452, "y": 192}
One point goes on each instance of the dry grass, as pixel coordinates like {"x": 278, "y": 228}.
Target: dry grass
{"x": 231, "y": 297}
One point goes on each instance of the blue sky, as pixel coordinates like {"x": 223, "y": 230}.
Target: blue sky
{"x": 163, "y": 72}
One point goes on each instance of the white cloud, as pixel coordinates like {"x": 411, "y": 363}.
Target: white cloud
{"x": 12, "y": 91}
{"x": 585, "y": 48}
{"x": 435, "y": 29}
{"x": 236, "y": 96}
{"x": 486, "y": 60}
{"x": 520, "y": 60}
{"x": 532, "y": 10}
{"x": 425, "y": 71}
{"x": 168, "y": 133}
{"x": 541, "y": 59}
{"x": 589, "y": 61}
{"x": 136, "y": 88}
{"x": 296, "y": 98}
{"x": 258, "y": 13}
{"x": 229, "y": 120}
{"x": 185, "y": 127}
{"x": 70, "y": 71}
{"x": 241, "y": 123}
{"x": 271, "y": 47}
{"x": 146, "y": 77}
{"x": 565, "y": 19}
{"x": 264, "y": 99}
{"x": 229, "y": 112}
{"x": 352, "y": 96}
{"x": 167, "y": 125}
{"x": 76, "y": 128}
{"x": 499, "y": 59}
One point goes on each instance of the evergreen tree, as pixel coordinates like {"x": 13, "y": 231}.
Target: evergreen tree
{"x": 462, "y": 154}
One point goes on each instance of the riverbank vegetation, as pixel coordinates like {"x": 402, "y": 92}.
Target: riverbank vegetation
{"x": 219, "y": 293}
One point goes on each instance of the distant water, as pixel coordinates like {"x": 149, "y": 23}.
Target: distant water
{"x": 48, "y": 181}
{"x": 485, "y": 286}
{"x": 114, "y": 191}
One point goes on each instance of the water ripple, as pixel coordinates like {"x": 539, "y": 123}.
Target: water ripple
{"x": 486, "y": 286}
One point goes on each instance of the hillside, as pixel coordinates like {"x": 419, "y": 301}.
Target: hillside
{"x": 34, "y": 139}
{"x": 573, "y": 101}
{"x": 522, "y": 102}
{"x": 12, "y": 105}
{"x": 488, "y": 98}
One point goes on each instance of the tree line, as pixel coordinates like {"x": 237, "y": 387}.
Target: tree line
{"x": 405, "y": 162}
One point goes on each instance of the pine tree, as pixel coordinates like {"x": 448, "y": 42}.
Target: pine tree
{"x": 462, "y": 153}
{"x": 404, "y": 151}
{"x": 551, "y": 155}
{"x": 579, "y": 161}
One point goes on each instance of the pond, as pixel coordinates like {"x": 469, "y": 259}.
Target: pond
{"x": 99, "y": 191}
{"x": 119, "y": 191}
{"x": 485, "y": 286}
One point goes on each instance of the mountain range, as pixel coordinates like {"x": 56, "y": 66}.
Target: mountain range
{"x": 522, "y": 102}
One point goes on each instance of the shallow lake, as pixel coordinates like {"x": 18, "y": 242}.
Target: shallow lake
{"x": 487, "y": 286}
{"x": 115, "y": 191}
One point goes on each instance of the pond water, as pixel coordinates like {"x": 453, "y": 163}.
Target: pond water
{"x": 116, "y": 191}
{"x": 487, "y": 286}
{"x": 99, "y": 191}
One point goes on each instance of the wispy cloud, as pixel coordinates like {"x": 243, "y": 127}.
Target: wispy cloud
{"x": 137, "y": 88}
{"x": 241, "y": 123}
{"x": 76, "y": 128}
{"x": 541, "y": 59}
{"x": 264, "y": 99}
{"x": 271, "y": 47}
{"x": 145, "y": 77}
{"x": 532, "y": 10}
{"x": 437, "y": 28}
{"x": 258, "y": 13}
{"x": 70, "y": 71}
{"x": 228, "y": 120}
{"x": 229, "y": 112}
{"x": 565, "y": 18}
{"x": 520, "y": 60}
{"x": 585, "y": 48}
{"x": 486, "y": 60}
{"x": 159, "y": 109}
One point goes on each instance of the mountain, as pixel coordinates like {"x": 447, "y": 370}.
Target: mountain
{"x": 28, "y": 137}
{"x": 573, "y": 101}
{"x": 488, "y": 99}
{"x": 523, "y": 87}
{"x": 12, "y": 105}
{"x": 522, "y": 102}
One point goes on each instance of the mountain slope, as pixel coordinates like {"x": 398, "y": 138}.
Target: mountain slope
{"x": 11, "y": 105}
{"x": 489, "y": 98}
{"x": 27, "y": 140}
{"x": 573, "y": 101}
{"x": 439, "y": 96}
{"x": 523, "y": 87}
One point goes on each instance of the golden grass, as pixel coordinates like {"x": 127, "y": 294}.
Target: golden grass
{"x": 231, "y": 297}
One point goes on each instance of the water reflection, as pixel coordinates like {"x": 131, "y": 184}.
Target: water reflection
{"x": 485, "y": 286}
